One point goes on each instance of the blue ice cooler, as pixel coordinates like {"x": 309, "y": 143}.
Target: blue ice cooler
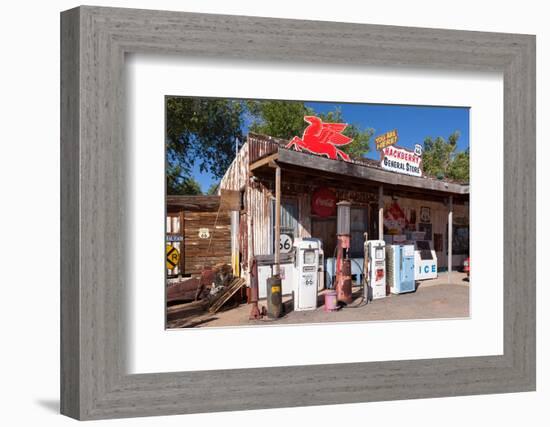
{"x": 400, "y": 268}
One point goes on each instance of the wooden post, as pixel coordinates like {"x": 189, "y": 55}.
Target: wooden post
{"x": 380, "y": 212}
{"x": 450, "y": 239}
{"x": 235, "y": 243}
{"x": 277, "y": 219}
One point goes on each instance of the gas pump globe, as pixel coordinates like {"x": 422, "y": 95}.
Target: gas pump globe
{"x": 343, "y": 262}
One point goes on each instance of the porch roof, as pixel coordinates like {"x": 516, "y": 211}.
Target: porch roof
{"x": 273, "y": 150}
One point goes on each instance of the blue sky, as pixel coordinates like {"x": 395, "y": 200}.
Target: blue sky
{"x": 413, "y": 124}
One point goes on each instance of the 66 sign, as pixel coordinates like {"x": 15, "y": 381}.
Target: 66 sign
{"x": 285, "y": 243}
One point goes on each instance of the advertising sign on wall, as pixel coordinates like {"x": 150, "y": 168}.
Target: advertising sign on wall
{"x": 323, "y": 202}
{"x": 386, "y": 139}
{"x": 403, "y": 161}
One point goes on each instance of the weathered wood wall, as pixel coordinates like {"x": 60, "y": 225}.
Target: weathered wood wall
{"x": 198, "y": 212}
{"x": 192, "y": 203}
{"x": 236, "y": 176}
{"x": 216, "y": 249}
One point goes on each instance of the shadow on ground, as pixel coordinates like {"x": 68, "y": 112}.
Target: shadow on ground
{"x": 51, "y": 405}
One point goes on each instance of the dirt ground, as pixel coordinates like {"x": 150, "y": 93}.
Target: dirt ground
{"x": 433, "y": 299}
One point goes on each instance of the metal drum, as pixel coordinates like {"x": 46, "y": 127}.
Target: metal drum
{"x": 274, "y": 298}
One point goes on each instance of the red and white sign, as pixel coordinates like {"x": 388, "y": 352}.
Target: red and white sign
{"x": 401, "y": 161}
{"x": 323, "y": 202}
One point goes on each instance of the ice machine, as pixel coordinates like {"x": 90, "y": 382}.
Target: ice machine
{"x": 400, "y": 268}
{"x": 425, "y": 260}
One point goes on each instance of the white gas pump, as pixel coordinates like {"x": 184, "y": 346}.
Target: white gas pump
{"x": 376, "y": 262}
{"x": 306, "y": 274}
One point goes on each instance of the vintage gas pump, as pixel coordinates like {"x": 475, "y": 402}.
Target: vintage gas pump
{"x": 375, "y": 259}
{"x": 343, "y": 262}
{"x": 306, "y": 274}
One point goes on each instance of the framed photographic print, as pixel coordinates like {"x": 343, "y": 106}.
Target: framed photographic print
{"x": 236, "y": 183}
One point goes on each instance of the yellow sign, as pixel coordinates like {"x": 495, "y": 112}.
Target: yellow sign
{"x": 386, "y": 139}
{"x": 172, "y": 257}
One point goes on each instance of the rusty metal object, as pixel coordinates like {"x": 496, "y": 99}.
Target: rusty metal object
{"x": 185, "y": 290}
{"x": 208, "y": 276}
{"x": 343, "y": 270}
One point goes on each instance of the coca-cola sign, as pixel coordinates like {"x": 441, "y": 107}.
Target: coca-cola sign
{"x": 323, "y": 202}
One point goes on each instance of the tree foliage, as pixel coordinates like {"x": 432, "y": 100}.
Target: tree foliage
{"x": 460, "y": 166}
{"x": 202, "y": 131}
{"x": 280, "y": 119}
{"x": 441, "y": 159}
{"x": 188, "y": 186}
{"x": 213, "y": 189}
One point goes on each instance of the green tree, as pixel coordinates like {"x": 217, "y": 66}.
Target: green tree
{"x": 213, "y": 189}
{"x": 203, "y": 131}
{"x": 460, "y": 166}
{"x": 187, "y": 187}
{"x": 280, "y": 119}
{"x": 440, "y": 159}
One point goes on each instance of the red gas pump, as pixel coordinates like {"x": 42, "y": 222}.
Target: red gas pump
{"x": 343, "y": 261}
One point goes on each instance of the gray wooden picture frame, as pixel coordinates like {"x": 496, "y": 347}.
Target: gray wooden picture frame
{"x": 94, "y": 41}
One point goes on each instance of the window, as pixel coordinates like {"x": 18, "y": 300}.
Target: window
{"x": 289, "y": 216}
{"x": 461, "y": 240}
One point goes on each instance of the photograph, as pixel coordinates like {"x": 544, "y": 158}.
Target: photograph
{"x": 282, "y": 212}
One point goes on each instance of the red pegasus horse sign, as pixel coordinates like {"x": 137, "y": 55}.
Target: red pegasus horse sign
{"x": 321, "y": 138}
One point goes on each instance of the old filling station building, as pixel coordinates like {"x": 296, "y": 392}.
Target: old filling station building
{"x": 385, "y": 204}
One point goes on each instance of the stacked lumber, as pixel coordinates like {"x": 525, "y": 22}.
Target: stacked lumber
{"x": 236, "y": 284}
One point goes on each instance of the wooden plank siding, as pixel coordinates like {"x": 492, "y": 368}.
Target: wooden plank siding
{"x": 216, "y": 249}
{"x": 176, "y": 203}
{"x": 186, "y": 215}
{"x": 236, "y": 176}
{"x": 261, "y": 146}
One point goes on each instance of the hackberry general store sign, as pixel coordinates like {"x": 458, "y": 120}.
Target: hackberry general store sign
{"x": 400, "y": 160}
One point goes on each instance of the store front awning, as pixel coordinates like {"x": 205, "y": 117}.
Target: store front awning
{"x": 360, "y": 171}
